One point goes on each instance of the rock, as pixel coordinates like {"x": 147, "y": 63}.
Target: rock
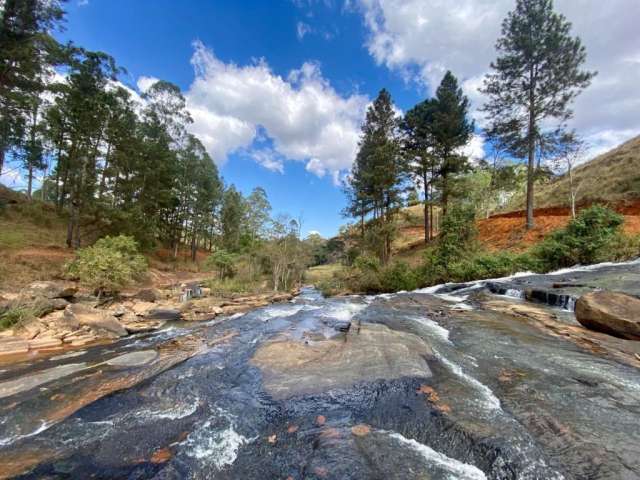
{"x": 44, "y": 343}
{"x": 119, "y": 311}
{"x": 205, "y": 292}
{"x": 614, "y": 313}
{"x": 95, "y": 319}
{"x": 135, "y": 324}
{"x": 50, "y": 290}
{"x": 13, "y": 347}
{"x": 361, "y": 430}
{"x": 148, "y": 295}
{"x": 165, "y": 314}
{"x": 141, "y": 308}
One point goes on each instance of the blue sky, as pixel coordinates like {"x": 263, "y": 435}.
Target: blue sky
{"x": 278, "y": 88}
{"x": 154, "y": 38}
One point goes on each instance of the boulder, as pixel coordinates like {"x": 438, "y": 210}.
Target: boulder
{"x": 148, "y": 295}
{"x": 95, "y": 319}
{"x": 50, "y": 290}
{"x": 165, "y": 314}
{"x": 614, "y": 313}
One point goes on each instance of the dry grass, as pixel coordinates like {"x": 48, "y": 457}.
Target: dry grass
{"x": 612, "y": 177}
{"x": 322, "y": 273}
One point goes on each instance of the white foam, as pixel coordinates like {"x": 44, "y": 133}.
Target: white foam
{"x": 9, "y": 440}
{"x": 214, "y": 446}
{"x": 433, "y": 327}
{"x": 343, "y": 311}
{"x": 596, "y": 266}
{"x": 455, "y": 468}
{"x": 491, "y": 402}
{"x": 180, "y": 410}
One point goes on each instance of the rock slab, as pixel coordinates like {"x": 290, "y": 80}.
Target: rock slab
{"x": 614, "y": 313}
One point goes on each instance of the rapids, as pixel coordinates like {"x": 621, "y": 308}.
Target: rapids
{"x": 429, "y": 384}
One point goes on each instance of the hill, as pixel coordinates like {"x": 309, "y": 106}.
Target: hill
{"x": 33, "y": 246}
{"x": 613, "y": 178}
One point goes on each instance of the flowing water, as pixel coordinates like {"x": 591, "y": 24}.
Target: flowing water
{"x": 422, "y": 386}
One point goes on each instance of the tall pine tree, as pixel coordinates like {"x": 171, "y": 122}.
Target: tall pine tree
{"x": 535, "y": 78}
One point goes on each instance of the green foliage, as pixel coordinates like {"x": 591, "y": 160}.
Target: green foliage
{"x": 368, "y": 275}
{"x": 458, "y": 234}
{"x": 14, "y": 316}
{"x": 108, "y": 265}
{"x": 224, "y": 262}
{"x": 589, "y": 238}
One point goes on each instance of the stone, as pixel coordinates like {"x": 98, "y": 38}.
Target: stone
{"x": 95, "y": 319}
{"x": 141, "y": 308}
{"x": 148, "y": 295}
{"x": 614, "y": 313}
{"x": 290, "y": 367}
{"x": 44, "y": 343}
{"x": 50, "y": 290}
{"x": 166, "y": 314}
{"x": 13, "y": 347}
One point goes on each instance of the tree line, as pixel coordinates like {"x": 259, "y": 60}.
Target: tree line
{"x": 529, "y": 91}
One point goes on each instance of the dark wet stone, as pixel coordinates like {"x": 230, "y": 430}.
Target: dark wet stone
{"x": 168, "y": 314}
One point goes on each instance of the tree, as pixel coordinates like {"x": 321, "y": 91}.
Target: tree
{"x": 535, "y": 78}
{"x": 451, "y": 130}
{"x": 258, "y": 213}
{"x": 27, "y": 53}
{"x": 231, "y": 218}
{"x": 572, "y": 150}
{"x": 375, "y": 184}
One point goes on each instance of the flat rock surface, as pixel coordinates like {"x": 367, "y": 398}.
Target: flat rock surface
{"x": 610, "y": 312}
{"x": 372, "y": 352}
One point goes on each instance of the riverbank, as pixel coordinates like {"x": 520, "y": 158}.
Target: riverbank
{"x": 449, "y": 382}
{"x": 57, "y": 317}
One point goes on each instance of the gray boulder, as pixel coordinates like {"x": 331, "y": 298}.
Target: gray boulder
{"x": 614, "y": 313}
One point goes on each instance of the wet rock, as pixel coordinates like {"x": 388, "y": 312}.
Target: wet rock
{"x": 361, "y": 430}
{"x": 50, "y": 290}
{"x": 374, "y": 352}
{"x": 164, "y": 314}
{"x": 95, "y": 319}
{"x": 133, "y": 359}
{"x": 614, "y": 313}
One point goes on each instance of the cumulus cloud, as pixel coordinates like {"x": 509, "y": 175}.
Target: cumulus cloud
{"x": 144, "y": 83}
{"x": 421, "y": 39}
{"x": 305, "y": 117}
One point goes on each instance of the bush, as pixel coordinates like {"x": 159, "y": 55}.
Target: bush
{"x": 491, "y": 265}
{"x": 589, "y": 238}
{"x": 15, "y": 316}
{"x": 108, "y": 265}
{"x": 398, "y": 276}
{"x": 224, "y": 262}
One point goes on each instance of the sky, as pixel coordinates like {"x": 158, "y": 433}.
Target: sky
{"x": 278, "y": 88}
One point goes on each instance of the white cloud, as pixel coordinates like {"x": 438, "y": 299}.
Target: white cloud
{"x": 144, "y": 83}
{"x": 305, "y": 117}
{"x": 269, "y": 159}
{"x": 421, "y": 39}
{"x": 302, "y": 29}
{"x": 83, "y": 3}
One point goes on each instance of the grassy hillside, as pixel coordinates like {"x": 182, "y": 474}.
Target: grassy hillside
{"x": 612, "y": 177}
{"x": 32, "y": 246}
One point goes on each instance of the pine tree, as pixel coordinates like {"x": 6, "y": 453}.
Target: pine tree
{"x": 535, "y": 78}
{"x": 451, "y": 130}
{"x": 375, "y": 184}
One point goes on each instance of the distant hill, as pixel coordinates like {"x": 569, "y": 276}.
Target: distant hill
{"x": 612, "y": 178}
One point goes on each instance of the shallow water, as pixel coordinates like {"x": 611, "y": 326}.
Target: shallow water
{"x": 503, "y": 400}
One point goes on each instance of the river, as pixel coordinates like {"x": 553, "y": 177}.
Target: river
{"x": 420, "y": 385}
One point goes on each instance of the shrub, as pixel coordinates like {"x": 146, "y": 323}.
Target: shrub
{"x": 108, "y": 265}
{"x": 491, "y": 265}
{"x": 224, "y": 262}
{"x": 398, "y": 276}
{"x": 15, "y": 315}
{"x": 591, "y": 237}
{"x": 457, "y": 236}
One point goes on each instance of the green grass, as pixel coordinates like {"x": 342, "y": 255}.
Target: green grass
{"x": 322, "y": 273}
{"x": 14, "y": 316}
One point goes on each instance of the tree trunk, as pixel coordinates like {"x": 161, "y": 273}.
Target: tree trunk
{"x": 30, "y": 181}
{"x": 531, "y": 147}
{"x": 426, "y": 209}
{"x": 2, "y": 153}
